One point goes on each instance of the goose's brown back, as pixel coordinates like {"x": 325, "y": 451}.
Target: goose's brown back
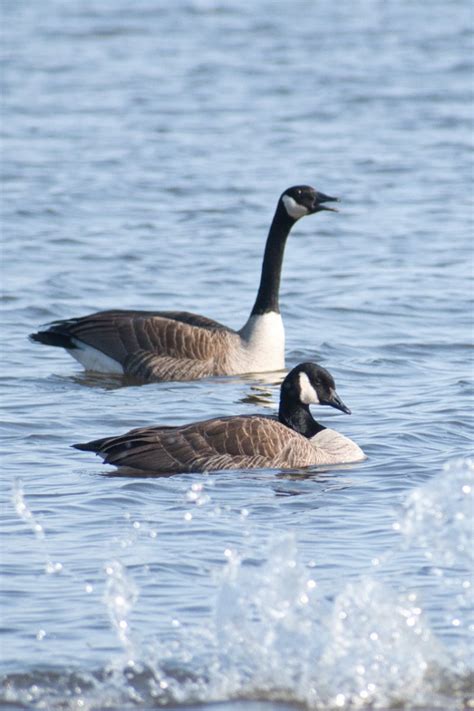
{"x": 242, "y": 442}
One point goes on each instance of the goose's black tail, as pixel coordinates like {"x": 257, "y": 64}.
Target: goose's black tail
{"x": 93, "y": 446}
{"x": 53, "y": 337}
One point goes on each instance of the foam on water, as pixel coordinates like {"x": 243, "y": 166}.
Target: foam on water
{"x": 279, "y": 634}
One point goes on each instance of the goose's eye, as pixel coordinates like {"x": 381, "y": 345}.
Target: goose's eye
{"x": 299, "y": 192}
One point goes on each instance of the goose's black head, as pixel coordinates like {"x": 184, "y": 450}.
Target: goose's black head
{"x": 301, "y": 200}
{"x": 308, "y": 384}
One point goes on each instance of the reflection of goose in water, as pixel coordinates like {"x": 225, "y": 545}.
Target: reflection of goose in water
{"x": 174, "y": 345}
{"x": 260, "y": 393}
{"x": 293, "y": 440}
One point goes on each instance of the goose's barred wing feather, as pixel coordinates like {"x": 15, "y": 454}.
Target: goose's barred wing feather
{"x": 247, "y": 441}
{"x": 121, "y": 334}
{"x": 149, "y": 366}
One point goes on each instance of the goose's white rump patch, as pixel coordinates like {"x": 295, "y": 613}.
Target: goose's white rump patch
{"x": 308, "y": 394}
{"x": 294, "y": 209}
{"x": 92, "y": 359}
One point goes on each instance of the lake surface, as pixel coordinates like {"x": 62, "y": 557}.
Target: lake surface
{"x": 145, "y": 146}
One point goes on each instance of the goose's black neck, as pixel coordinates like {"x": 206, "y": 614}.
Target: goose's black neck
{"x": 297, "y": 416}
{"x": 269, "y": 289}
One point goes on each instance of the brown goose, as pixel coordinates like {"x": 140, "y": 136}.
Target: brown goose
{"x": 177, "y": 345}
{"x": 240, "y": 442}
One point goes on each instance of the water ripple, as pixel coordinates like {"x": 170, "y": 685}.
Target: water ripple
{"x": 144, "y": 149}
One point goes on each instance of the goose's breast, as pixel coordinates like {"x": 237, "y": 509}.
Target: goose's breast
{"x": 335, "y": 448}
{"x": 262, "y": 344}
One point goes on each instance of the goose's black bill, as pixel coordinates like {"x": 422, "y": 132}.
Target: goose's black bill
{"x": 335, "y": 401}
{"x": 320, "y": 199}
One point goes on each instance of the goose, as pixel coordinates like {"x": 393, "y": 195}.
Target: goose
{"x": 178, "y": 345}
{"x": 292, "y": 440}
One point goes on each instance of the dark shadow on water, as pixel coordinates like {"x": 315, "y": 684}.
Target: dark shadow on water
{"x": 321, "y": 475}
{"x": 130, "y": 474}
{"x": 102, "y": 381}
{"x": 258, "y": 394}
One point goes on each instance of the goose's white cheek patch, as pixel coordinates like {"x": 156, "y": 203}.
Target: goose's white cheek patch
{"x": 308, "y": 395}
{"x": 294, "y": 209}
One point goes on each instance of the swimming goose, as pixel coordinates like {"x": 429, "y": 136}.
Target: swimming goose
{"x": 242, "y": 441}
{"x": 177, "y": 345}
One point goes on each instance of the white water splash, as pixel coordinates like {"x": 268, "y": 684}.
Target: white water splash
{"x": 23, "y": 510}
{"x": 380, "y": 649}
{"x": 438, "y": 519}
{"x": 265, "y": 618}
{"x": 280, "y": 638}
{"x": 438, "y": 516}
{"x": 25, "y": 514}
{"x": 120, "y": 596}
{"x": 277, "y": 634}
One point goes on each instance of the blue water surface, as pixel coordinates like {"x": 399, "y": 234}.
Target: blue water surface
{"x": 145, "y": 145}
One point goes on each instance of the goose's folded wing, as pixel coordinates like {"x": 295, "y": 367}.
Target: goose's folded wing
{"x": 148, "y": 366}
{"x": 221, "y": 443}
{"x": 120, "y": 334}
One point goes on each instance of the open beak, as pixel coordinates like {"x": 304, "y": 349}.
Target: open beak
{"x": 320, "y": 199}
{"x": 335, "y": 401}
